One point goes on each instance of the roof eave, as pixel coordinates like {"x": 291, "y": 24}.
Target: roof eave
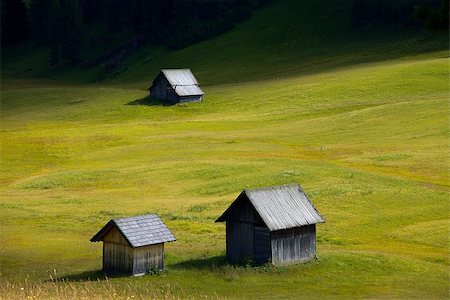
{"x": 261, "y": 215}
{"x": 99, "y": 235}
{"x": 264, "y": 217}
{"x": 222, "y": 218}
{"x": 189, "y": 95}
{"x": 102, "y": 232}
{"x": 168, "y": 241}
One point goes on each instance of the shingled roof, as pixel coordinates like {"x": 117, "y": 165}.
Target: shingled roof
{"x": 183, "y": 82}
{"x": 280, "y": 207}
{"x": 139, "y": 230}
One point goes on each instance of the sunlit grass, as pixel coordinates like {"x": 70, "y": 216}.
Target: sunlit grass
{"x": 369, "y": 145}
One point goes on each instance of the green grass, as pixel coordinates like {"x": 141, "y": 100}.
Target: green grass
{"x": 359, "y": 119}
{"x": 367, "y": 143}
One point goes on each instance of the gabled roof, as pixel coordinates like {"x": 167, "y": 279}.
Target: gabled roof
{"x": 188, "y": 90}
{"x": 138, "y": 231}
{"x": 180, "y": 76}
{"x": 182, "y": 81}
{"x": 280, "y": 207}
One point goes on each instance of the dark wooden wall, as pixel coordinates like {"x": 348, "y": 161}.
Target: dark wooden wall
{"x": 160, "y": 89}
{"x": 261, "y": 244}
{"x": 240, "y": 227}
{"x": 248, "y": 237}
{"x": 293, "y": 245}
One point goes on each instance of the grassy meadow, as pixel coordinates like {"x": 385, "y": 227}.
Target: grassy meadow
{"x": 368, "y": 144}
{"x": 362, "y": 126}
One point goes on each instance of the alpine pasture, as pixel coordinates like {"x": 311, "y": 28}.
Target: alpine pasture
{"x": 362, "y": 126}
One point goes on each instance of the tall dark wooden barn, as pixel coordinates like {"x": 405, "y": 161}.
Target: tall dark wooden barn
{"x": 273, "y": 224}
{"x": 133, "y": 245}
{"x": 177, "y": 86}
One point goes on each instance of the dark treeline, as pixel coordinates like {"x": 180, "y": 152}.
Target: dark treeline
{"x": 61, "y": 24}
{"x": 175, "y": 23}
{"x": 433, "y": 14}
{"x": 14, "y": 22}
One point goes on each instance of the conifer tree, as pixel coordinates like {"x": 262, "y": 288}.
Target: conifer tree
{"x": 13, "y": 21}
{"x": 71, "y": 26}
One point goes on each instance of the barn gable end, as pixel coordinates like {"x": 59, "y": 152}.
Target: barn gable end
{"x": 133, "y": 245}
{"x": 176, "y": 85}
{"x": 274, "y": 224}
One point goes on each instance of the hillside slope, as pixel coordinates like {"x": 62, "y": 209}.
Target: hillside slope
{"x": 367, "y": 143}
{"x": 358, "y": 118}
{"x": 284, "y": 38}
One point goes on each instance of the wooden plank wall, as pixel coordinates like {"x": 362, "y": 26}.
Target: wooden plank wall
{"x": 240, "y": 231}
{"x": 261, "y": 246}
{"x": 184, "y": 99}
{"x": 239, "y": 241}
{"x": 114, "y": 236}
{"x": 117, "y": 255}
{"x": 117, "y": 258}
{"x": 147, "y": 258}
{"x": 293, "y": 245}
{"x": 247, "y": 236}
{"x": 159, "y": 90}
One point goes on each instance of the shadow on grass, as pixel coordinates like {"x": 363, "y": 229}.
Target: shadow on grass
{"x": 220, "y": 264}
{"x": 149, "y": 101}
{"x": 207, "y": 263}
{"x": 92, "y": 275}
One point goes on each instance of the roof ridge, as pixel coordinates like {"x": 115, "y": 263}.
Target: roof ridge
{"x": 273, "y": 187}
{"x": 139, "y": 230}
{"x": 175, "y": 69}
{"x": 132, "y": 217}
{"x": 187, "y": 84}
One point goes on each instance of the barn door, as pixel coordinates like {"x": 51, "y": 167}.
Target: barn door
{"x": 261, "y": 242}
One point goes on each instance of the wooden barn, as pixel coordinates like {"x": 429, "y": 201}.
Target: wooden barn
{"x": 133, "y": 245}
{"x": 273, "y": 224}
{"x": 177, "y": 86}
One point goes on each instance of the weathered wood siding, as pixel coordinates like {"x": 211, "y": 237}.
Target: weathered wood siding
{"x": 184, "y": 99}
{"x": 114, "y": 236}
{"x": 239, "y": 241}
{"x": 293, "y": 245}
{"x": 147, "y": 258}
{"x": 119, "y": 257}
{"x": 261, "y": 244}
{"x": 242, "y": 227}
{"x": 161, "y": 88}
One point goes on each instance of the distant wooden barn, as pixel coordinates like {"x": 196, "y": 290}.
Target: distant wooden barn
{"x": 176, "y": 85}
{"x": 273, "y": 224}
{"x": 133, "y": 245}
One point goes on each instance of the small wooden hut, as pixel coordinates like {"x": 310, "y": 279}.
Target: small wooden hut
{"x": 177, "y": 86}
{"x": 133, "y": 245}
{"x": 274, "y": 224}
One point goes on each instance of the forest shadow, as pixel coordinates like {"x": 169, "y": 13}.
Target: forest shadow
{"x": 150, "y": 101}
